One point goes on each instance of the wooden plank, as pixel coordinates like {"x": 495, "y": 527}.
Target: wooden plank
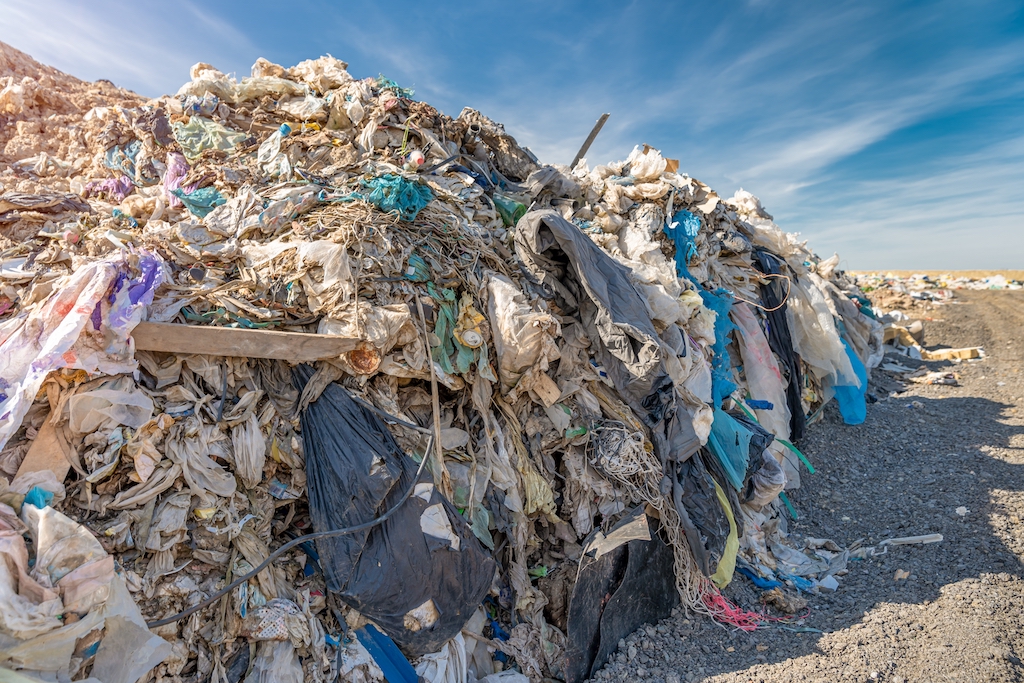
{"x": 950, "y": 354}
{"x": 229, "y": 341}
{"x": 47, "y": 452}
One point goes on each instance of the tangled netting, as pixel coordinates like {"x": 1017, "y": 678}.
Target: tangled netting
{"x": 393, "y": 193}
{"x": 622, "y": 454}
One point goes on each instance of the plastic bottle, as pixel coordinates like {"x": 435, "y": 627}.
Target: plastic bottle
{"x": 509, "y": 209}
{"x": 270, "y": 157}
{"x": 271, "y": 147}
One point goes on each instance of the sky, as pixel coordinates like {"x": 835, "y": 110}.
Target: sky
{"x": 889, "y": 132}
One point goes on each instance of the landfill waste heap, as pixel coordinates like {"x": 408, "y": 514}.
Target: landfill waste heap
{"x": 523, "y": 408}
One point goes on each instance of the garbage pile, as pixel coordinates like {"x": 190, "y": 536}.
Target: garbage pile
{"x": 522, "y": 408}
{"x": 903, "y": 306}
{"x": 889, "y": 291}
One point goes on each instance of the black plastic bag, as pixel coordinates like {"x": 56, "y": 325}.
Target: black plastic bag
{"x": 631, "y": 585}
{"x": 420, "y": 589}
{"x": 773, "y": 296}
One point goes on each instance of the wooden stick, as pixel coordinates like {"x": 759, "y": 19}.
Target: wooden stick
{"x": 297, "y": 347}
{"x": 47, "y": 452}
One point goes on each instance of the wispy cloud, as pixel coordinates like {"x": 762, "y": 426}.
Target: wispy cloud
{"x": 967, "y": 210}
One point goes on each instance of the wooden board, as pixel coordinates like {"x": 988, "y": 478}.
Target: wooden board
{"x": 229, "y": 341}
{"x": 47, "y": 452}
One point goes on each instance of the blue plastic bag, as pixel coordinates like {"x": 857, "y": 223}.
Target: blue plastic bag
{"x": 851, "y": 399}
{"x": 730, "y": 442}
{"x": 683, "y": 230}
{"x": 721, "y": 365}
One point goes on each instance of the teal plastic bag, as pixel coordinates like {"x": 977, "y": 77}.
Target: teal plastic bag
{"x": 730, "y": 443}
{"x": 201, "y": 202}
{"x": 852, "y": 400}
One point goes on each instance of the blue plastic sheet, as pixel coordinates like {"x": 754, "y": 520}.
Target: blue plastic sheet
{"x": 762, "y": 583}
{"x": 683, "y": 230}
{"x": 201, "y": 202}
{"x": 757, "y": 404}
{"x": 851, "y": 399}
{"x": 730, "y": 442}
{"x": 395, "y": 667}
{"x": 721, "y": 365}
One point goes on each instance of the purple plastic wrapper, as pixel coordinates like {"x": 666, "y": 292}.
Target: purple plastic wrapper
{"x": 177, "y": 169}
{"x": 115, "y": 188}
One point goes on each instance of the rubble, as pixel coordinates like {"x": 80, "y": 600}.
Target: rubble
{"x": 539, "y": 364}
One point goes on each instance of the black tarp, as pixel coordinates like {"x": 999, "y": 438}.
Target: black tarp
{"x": 773, "y": 296}
{"x": 632, "y": 585}
{"x": 356, "y": 471}
{"x": 589, "y": 284}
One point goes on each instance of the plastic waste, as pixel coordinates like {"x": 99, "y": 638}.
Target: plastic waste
{"x": 355, "y": 471}
{"x": 448, "y": 665}
{"x": 308, "y": 108}
{"x": 386, "y": 655}
{"x": 851, "y": 390}
{"x": 56, "y": 335}
{"x": 201, "y": 134}
{"x": 509, "y": 209}
{"x": 618, "y": 591}
{"x": 275, "y": 662}
{"x": 764, "y": 379}
{"x": 270, "y": 157}
{"x": 108, "y": 408}
{"x": 606, "y": 331}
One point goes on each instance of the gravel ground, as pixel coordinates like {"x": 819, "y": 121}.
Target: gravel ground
{"x": 920, "y": 455}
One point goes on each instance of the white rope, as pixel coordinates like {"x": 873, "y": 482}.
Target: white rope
{"x": 621, "y": 455}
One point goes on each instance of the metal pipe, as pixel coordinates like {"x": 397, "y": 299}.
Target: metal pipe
{"x": 589, "y": 141}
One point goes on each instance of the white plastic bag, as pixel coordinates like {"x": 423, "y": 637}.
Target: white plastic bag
{"x": 646, "y": 165}
{"x": 108, "y": 408}
{"x": 764, "y": 379}
{"x": 27, "y": 608}
{"x": 523, "y": 338}
{"x": 323, "y": 74}
{"x": 250, "y": 450}
{"x": 815, "y": 337}
{"x": 446, "y": 666}
{"x": 276, "y": 662}
{"x": 308, "y": 108}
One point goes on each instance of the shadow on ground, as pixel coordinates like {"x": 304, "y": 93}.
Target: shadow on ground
{"x": 904, "y": 472}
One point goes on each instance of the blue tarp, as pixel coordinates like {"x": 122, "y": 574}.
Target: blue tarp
{"x": 721, "y": 366}
{"x": 851, "y": 399}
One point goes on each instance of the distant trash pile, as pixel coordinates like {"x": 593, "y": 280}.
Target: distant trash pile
{"x": 302, "y": 379}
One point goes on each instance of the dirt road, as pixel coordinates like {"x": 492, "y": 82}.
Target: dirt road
{"x": 920, "y": 456}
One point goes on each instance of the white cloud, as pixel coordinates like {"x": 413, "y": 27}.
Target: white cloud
{"x": 963, "y": 212}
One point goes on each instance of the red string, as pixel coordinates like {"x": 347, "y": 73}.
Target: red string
{"x": 727, "y": 612}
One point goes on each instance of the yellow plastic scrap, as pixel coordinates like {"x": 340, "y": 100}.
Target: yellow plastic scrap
{"x": 468, "y": 328}
{"x": 727, "y": 565}
{"x": 205, "y": 513}
{"x": 539, "y": 496}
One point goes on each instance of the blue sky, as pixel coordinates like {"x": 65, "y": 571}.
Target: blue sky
{"x": 891, "y": 132}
